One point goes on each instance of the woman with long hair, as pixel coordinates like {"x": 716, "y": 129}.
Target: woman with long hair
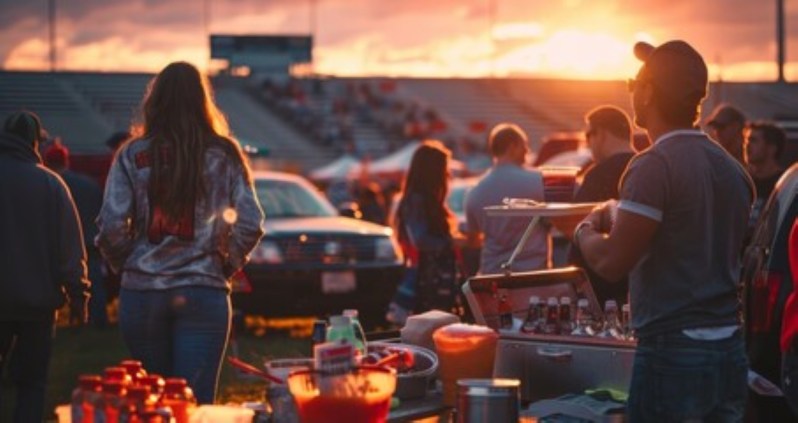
{"x": 179, "y": 217}
{"x": 425, "y": 228}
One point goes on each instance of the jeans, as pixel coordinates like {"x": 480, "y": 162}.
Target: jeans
{"x": 180, "y": 332}
{"x": 25, "y": 349}
{"x": 679, "y": 379}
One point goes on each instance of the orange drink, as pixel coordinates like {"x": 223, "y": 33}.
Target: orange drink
{"x": 464, "y": 352}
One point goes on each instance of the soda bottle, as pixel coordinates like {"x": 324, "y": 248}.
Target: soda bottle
{"x": 114, "y": 392}
{"x": 82, "y": 408}
{"x": 139, "y": 401}
{"x": 118, "y": 373}
{"x": 180, "y": 398}
{"x": 566, "y": 316}
{"x": 552, "y": 326}
{"x": 360, "y": 335}
{"x": 584, "y": 319}
{"x": 134, "y": 368}
{"x": 505, "y": 313}
{"x": 626, "y": 321}
{"x": 612, "y": 327}
{"x": 155, "y": 383}
{"x": 532, "y": 315}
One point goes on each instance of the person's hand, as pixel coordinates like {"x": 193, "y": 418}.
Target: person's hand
{"x": 602, "y": 218}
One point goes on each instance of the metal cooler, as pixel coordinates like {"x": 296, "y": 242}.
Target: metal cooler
{"x": 548, "y": 366}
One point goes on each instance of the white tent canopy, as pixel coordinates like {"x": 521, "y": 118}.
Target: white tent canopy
{"x": 337, "y": 169}
{"x": 399, "y": 161}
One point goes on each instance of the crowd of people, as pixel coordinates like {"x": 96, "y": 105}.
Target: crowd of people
{"x": 179, "y": 216}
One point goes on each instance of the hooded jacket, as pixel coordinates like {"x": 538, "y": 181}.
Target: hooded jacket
{"x": 42, "y": 257}
{"x": 200, "y": 250}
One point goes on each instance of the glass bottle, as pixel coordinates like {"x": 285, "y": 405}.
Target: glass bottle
{"x": 584, "y": 319}
{"x": 626, "y": 321}
{"x": 566, "y": 316}
{"x": 552, "y": 326}
{"x": 505, "y": 313}
{"x": 82, "y": 406}
{"x": 532, "y": 315}
{"x": 612, "y": 326}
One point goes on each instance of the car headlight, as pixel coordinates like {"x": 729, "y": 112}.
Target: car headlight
{"x": 387, "y": 249}
{"x": 267, "y": 252}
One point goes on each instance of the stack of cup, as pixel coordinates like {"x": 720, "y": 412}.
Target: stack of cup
{"x": 464, "y": 352}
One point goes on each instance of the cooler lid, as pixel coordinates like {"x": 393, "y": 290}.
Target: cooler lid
{"x": 483, "y": 291}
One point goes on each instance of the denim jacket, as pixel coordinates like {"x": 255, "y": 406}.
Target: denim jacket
{"x": 203, "y": 249}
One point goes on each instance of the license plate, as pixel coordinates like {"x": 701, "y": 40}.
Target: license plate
{"x": 338, "y": 282}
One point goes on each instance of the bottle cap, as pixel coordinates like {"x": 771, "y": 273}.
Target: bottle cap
{"x": 138, "y": 393}
{"x": 155, "y": 382}
{"x": 582, "y": 302}
{"x": 114, "y": 387}
{"x": 553, "y": 301}
{"x": 610, "y": 304}
{"x": 340, "y": 321}
{"x": 626, "y": 307}
{"x": 351, "y": 313}
{"x": 90, "y": 382}
{"x": 534, "y": 299}
{"x": 115, "y": 373}
{"x": 565, "y": 300}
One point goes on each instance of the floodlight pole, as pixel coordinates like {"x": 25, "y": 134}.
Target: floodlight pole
{"x": 51, "y": 22}
{"x": 780, "y": 37}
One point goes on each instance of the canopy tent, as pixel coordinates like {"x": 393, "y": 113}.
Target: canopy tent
{"x": 399, "y": 162}
{"x": 339, "y": 168}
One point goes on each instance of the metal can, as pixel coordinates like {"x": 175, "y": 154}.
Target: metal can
{"x": 487, "y": 400}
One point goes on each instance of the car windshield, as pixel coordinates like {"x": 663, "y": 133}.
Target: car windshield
{"x": 284, "y": 199}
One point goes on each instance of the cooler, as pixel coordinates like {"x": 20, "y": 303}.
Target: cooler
{"x": 549, "y": 366}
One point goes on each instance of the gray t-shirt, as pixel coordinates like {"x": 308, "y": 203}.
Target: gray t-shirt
{"x": 503, "y": 233}
{"x": 701, "y": 197}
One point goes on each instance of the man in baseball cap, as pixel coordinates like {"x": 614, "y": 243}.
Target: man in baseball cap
{"x": 679, "y": 228}
{"x": 726, "y": 125}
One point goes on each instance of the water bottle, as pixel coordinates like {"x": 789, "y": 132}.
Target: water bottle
{"x": 360, "y": 335}
{"x": 180, "y": 398}
{"x": 83, "y": 398}
{"x": 584, "y": 319}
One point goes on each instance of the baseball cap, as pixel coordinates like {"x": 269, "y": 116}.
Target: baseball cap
{"x": 675, "y": 68}
{"x": 56, "y": 155}
{"x": 725, "y": 114}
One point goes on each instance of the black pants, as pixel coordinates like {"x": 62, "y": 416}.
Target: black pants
{"x": 25, "y": 353}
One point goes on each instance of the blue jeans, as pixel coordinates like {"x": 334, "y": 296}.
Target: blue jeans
{"x": 25, "y": 349}
{"x": 676, "y": 379}
{"x": 180, "y": 332}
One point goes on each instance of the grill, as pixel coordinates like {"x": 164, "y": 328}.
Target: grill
{"x": 327, "y": 249}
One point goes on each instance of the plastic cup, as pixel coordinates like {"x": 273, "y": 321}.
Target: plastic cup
{"x": 363, "y": 396}
{"x": 464, "y": 352}
{"x": 559, "y": 183}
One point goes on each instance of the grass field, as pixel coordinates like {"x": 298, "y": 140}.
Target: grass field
{"x": 86, "y": 350}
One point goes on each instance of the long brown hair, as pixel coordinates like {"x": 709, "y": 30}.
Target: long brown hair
{"x": 427, "y": 178}
{"x": 181, "y": 121}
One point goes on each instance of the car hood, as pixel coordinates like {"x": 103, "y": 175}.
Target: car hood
{"x": 327, "y": 225}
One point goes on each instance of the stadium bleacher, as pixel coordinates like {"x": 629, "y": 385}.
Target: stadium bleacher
{"x": 84, "y": 108}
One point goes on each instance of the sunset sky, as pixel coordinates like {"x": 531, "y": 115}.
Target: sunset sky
{"x": 585, "y": 39}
